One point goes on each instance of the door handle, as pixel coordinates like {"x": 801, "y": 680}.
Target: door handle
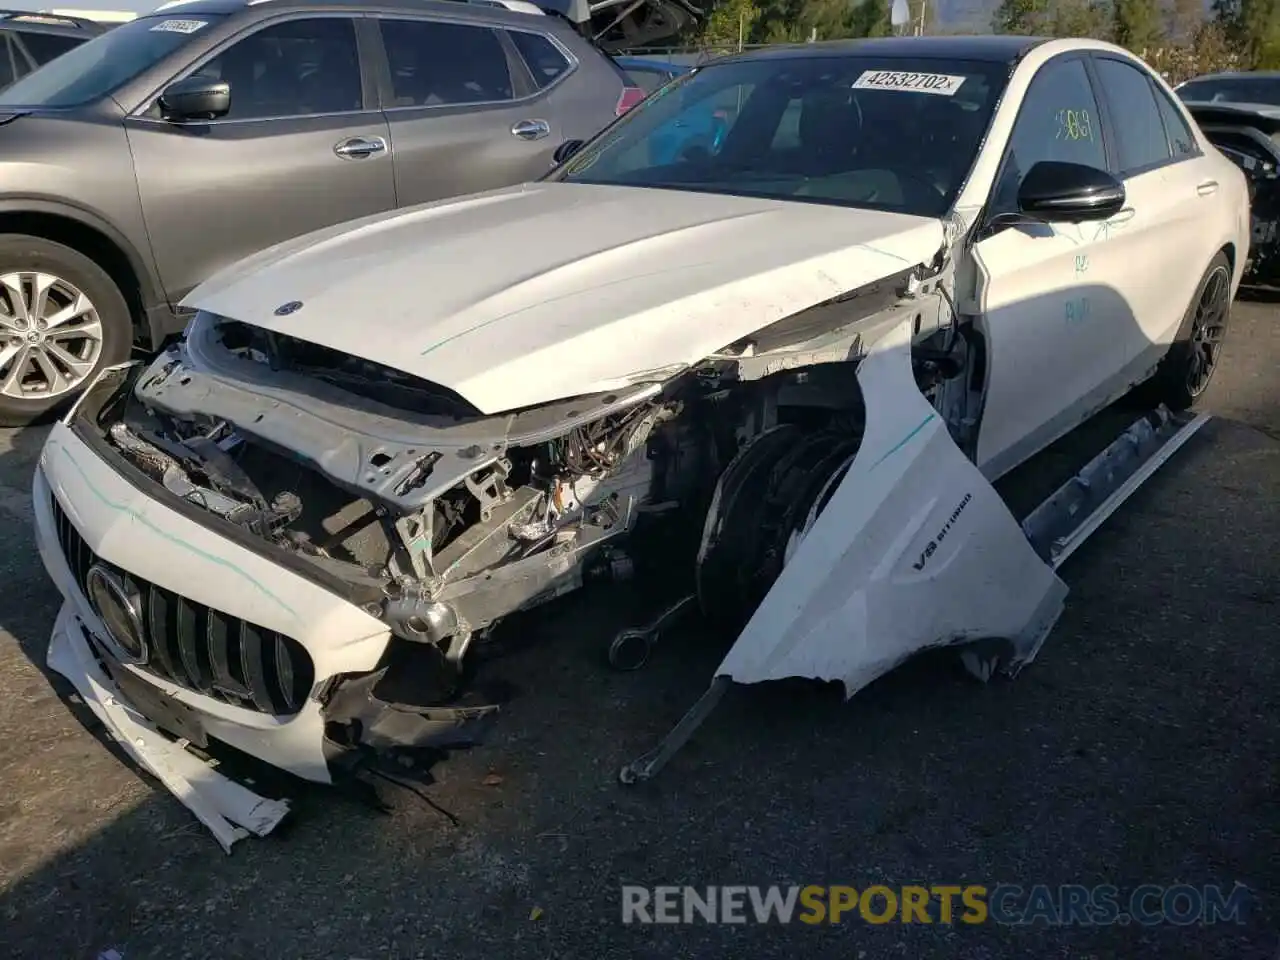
{"x": 357, "y": 148}
{"x": 1208, "y": 187}
{"x": 530, "y": 129}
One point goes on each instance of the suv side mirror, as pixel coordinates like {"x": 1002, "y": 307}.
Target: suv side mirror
{"x": 566, "y": 150}
{"x": 196, "y": 98}
{"x": 1071, "y": 192}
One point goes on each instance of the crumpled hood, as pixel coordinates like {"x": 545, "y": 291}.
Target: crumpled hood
{"x": 538, "y": 292}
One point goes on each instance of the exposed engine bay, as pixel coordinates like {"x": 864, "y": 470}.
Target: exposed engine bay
{"x": 441, "y": 521}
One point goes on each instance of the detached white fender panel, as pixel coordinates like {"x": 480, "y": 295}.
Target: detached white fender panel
{"x": 914, "y": 550}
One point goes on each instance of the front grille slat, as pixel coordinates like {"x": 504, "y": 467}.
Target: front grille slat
{"x": 203, "y": 649}
{"x": 253, "y": 665}
{"x": 193, "y": 648}
{"x": 161, "y": 626}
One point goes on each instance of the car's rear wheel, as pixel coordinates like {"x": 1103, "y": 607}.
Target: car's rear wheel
{"x": 1188, "y": 368}
{"x": 62, "y": 319}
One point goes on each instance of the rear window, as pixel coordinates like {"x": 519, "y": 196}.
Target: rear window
{"x": 545, "y": 60}
{"x": 98, "y": 68}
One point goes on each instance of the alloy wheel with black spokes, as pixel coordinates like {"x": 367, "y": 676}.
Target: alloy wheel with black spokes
{"x": 1185, "y": 371}
{"x": 50, "y": 336}
{"x": 1208, "y": 330}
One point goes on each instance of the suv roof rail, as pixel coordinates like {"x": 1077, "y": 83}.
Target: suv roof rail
{"x": 49, "y": 19}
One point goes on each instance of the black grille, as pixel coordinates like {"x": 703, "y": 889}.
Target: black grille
{"x": 204, "y": 649}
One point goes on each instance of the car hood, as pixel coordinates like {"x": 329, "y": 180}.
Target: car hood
{"x": 535, "y": 293}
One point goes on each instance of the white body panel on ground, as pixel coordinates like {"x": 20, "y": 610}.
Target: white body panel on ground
{"x": 914, "y": 550}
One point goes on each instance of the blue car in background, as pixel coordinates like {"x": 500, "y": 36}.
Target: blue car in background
{"x": 696, "y": 129}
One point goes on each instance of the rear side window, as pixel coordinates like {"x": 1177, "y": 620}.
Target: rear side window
{"x": 437, "y": 64}
{"x": 43, "y": 47}
{"x": 545, "y": 60}
{"x": 1181, "y": 140}
{"x": 1140, "y": 138}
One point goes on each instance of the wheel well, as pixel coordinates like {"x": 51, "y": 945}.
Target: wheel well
{"x": 94, "y": 244}
{"x": 1230, "y": 251}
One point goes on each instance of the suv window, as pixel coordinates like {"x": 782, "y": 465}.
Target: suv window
{"x": 545, "y": 60}
{"x": 7, "y": 56}
{"x": 1058, "y": 120}
{"x": 43, "y": 47}
{"x": 646, "y": 79}
{"x": 1140, "y": 138}
{"x": 434, "y": 63}
{"x": 99, "y": 67}
{"x": 1181, "y": 140}
{"x": 297, "y": 68}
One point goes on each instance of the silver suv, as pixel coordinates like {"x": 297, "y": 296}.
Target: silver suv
{"x": 138, "y": 164}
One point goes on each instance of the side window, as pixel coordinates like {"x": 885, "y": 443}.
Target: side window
{"x": 44, "y": 47}
{"x": 435, "y": 64}
{"x": 545, "y": 60}
{"x": 647, "y": 80}
{"x": 1181, "y": 140}
{"x": 1140, "y": 138}
{"x": 7, "y": 75}
{"x": 1058, "y": 120}
{"x": 297, "y": 68}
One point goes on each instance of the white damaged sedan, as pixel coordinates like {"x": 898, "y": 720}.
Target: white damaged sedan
{"x": 765, "y": 342}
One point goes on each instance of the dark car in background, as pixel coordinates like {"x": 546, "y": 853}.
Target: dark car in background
{"x": 167, "y": 148}
{"x": 1240, "y": 113}
{"x": 33, "y": 39}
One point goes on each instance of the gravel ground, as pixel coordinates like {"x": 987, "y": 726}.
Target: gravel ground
{"x": 1140, "y": 748}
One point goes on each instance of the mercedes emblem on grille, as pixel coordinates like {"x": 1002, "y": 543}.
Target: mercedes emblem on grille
{"x": 120, "y": 609}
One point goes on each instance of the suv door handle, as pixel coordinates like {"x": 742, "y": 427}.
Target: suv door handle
{"x": 530, "y": 129}
{"x": 357, "y": 148}
{"x": 1208, "y": 187}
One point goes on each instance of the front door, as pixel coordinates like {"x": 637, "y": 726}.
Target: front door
{"x": 303, "y": 147}
{"x": 1053, "y": 299}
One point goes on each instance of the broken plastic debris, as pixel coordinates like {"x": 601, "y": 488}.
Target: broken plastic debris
{"x": 492, "y": 780}
{"x": 535, "y": 913}
{"x": 110, "y": 954}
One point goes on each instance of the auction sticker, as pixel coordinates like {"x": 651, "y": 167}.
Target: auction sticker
{"x": 941, "y": 83}
{"x": 179, "y": 26}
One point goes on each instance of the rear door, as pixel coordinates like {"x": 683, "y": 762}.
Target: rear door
{"x": 303, "y": 147}
{"x": 464, "y": 110}
{"x": 1171, "y": 187}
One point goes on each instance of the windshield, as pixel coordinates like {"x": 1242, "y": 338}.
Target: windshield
{"x": 871, "y": 132}
{"x": 97, "y": 68}
{"x": 1232, "y": 90}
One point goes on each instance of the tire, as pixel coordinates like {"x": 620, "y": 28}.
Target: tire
{"x": 54, "y": 364}
{"x": 1185, "y": 372}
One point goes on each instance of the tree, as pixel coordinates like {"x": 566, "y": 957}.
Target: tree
{"x": 1025, "y": 17}
{"x": 730, "y": 23}
{"x": 1259, "y": 28}
{"x": 1137, "y": 24}
{"x": 1079, "y": 18}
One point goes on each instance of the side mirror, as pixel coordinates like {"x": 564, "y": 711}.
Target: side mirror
{"x": 1071, "y": 192}
{"x": 196, "y": 98}
{"x": 567, "y": 150}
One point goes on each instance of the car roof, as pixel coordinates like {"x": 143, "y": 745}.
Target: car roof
{"x": 488, "y": 8}
{"x": 31, "y": 22}
{"x": 1237, "y": 75}
{"x": 994, "y": 49}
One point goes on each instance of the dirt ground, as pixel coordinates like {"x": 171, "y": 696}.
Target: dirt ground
{"x": 1141, "y": 747}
